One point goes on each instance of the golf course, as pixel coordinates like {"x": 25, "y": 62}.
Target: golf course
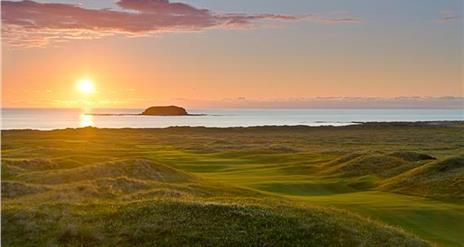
{"x": 370, "y": 184}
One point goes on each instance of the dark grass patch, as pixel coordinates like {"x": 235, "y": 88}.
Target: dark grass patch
{"x": 412, "y": 156}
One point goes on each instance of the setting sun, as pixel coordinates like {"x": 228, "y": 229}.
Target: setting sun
{"x": 86, "y": 86}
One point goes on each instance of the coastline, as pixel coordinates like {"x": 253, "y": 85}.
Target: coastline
{"x": 444, "y": 123}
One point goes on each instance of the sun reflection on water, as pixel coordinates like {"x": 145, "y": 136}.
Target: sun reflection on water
{"x": 86, "y": 120}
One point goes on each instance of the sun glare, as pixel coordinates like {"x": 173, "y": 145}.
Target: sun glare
{"x": 86, "y": 86}
{"x": 86, "y": 120}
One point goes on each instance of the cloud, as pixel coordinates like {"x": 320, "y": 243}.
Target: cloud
{"x": 449, "y": 16}
{"x": 28, "y": 23}
{"x": 448, "y": 102}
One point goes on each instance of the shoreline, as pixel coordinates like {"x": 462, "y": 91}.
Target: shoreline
{"x": 440, "y": 123}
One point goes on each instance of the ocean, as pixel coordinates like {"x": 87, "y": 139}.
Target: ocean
{"x": 47, "y": 119}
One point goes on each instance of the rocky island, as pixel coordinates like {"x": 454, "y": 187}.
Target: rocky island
{"x": 153, "y": 111}
{"x": 165, "y": 111}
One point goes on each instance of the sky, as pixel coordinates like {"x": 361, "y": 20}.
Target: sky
{"x": 217, "y": 53}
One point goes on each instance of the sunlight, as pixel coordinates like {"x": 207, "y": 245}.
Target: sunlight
{"x": 86, "y": 120}
{"x": 86, "y": 86}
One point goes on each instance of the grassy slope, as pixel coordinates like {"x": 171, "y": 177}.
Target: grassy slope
{"x": 233, "y": 186}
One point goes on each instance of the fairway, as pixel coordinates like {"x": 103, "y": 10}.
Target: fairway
{"x": 378, "y": 184}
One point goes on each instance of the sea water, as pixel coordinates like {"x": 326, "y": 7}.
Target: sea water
{"x": 47, "y": 119}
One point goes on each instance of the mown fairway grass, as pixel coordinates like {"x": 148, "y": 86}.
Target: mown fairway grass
{"x": 235, "y": 186}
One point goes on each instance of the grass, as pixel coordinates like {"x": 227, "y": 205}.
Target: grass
{"x": 186, "y": 223}
{"x": 436, "y": 221}
{"x": 441, "y": 179}
{"x": 367, "y": 185}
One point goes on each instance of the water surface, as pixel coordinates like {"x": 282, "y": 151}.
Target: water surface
{"x": 46, "y": 119}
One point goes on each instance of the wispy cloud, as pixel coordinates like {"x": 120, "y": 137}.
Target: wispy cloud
{"x": 449, "y": 102}
{"x": 449, "y": 16}
{"x": 28, "y": 23}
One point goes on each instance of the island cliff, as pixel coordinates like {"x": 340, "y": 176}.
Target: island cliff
{"x": 165, "y": 111}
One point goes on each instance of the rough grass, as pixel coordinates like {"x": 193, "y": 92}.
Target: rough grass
{"x": 135, "y": 169}
{"x": 263, "y": 186}
{"x": 368, "y": 164}
{"x": 11, "y": 189}
{"x": 442, "y": 179}
{"x": 412, "y": 156}
{"x": 187, "y": 223}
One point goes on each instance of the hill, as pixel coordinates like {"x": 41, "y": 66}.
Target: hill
{"x": 144, "y": 203}
{"x": 442, "y": 179}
